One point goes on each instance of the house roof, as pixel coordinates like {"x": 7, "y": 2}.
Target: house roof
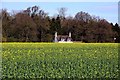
{"x": 63, "y": 36}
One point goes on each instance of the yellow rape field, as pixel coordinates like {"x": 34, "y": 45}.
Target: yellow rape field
{"x": 59, "y": 60}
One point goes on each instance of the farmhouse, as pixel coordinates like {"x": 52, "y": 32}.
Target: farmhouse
{"x": 63, "y": 38}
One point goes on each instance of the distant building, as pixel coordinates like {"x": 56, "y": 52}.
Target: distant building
{"x": 62, "y": 38}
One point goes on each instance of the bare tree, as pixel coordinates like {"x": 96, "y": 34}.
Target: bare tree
{"x": 83, "y": 16}
{"x": 62, "y": 12}
{"x": 25, "y": 26}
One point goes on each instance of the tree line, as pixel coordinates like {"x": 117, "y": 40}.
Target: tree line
{"x": 34, "y": 25}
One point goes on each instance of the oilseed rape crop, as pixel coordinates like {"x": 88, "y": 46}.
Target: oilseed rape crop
{"x": 59, "y": 60}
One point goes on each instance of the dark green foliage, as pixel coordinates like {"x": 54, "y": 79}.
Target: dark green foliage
{"x": 116, "y": 30}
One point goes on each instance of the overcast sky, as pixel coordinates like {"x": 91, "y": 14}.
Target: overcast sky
{"x": 105, "y": 10}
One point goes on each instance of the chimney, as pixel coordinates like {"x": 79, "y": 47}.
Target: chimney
{"x": 69, "y": 34}
{"x": 56, "y": 37}
{"x": 55, "y": 34}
